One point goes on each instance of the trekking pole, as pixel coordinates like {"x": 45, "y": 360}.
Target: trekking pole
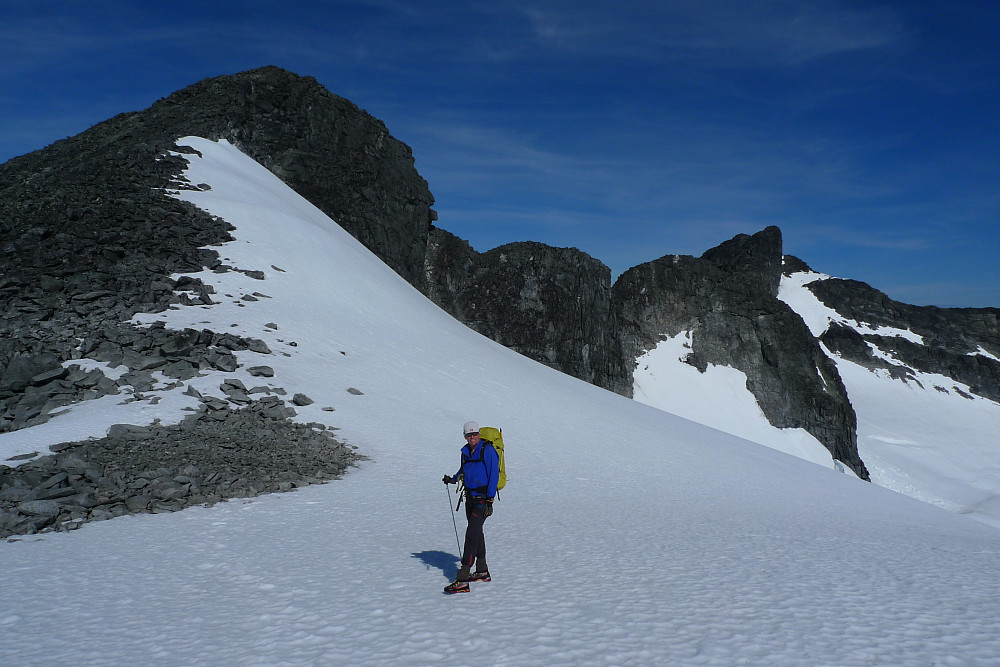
{"x": 455, "y": 523}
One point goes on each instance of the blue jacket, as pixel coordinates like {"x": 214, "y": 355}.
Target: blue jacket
{"x": 481, "y": 469}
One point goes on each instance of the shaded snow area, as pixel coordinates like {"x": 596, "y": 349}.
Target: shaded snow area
{"x": 625, "y": 536}
{"x": 928, "y": 437}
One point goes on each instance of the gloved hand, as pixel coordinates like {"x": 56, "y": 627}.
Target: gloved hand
{"x": 448, "y": 480}
{"x": 489, "y": 507}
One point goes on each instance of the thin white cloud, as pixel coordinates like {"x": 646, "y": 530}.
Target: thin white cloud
{"x": 659, "y": 167}
{"x": 723, "y": 32}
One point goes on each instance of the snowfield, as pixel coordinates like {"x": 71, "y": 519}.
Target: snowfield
{"x": 928, "y": 437}
{"x": 626, "y": 535}
{"x": 718, "y": 398}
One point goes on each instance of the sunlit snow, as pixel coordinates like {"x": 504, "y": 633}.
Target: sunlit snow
{"x": 718, "y": 398}
{"x": 926, "y": 436}
{"x": 625, "y": 535}
{"x": 986, "y": 353}
{"x": 818, "y": 316}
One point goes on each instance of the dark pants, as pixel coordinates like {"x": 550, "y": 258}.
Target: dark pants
{"x": 475, "y": 541}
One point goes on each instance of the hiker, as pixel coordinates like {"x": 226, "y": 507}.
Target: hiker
{"x": 480, "y": 472}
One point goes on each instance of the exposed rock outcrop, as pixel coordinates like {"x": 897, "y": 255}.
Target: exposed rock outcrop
{"x": 951, "y": 338}
{"x": 727, "y": 299}
{"x": 214, "y": 455}
{"x": 87, "y": 236}
{"x": 88, "y": 239}
{"x": 550, "y": 304}
{"x": 337, "y": 156}
{"x": 556, "y": 306}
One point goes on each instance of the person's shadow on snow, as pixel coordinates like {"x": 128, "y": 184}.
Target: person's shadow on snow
{"x": 446, "y": 562}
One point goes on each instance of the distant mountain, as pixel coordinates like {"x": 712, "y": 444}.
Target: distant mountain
{"x": 558, "y": 306}
{"x": 959, "y": 343}
{"x": 87, "y": 240}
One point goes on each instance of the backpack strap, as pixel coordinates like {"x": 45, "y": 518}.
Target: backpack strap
{"x": 481, "y": 490}
{"x": 481, "y": 450}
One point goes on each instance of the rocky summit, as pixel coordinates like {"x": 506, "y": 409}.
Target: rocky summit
{"x": 728, "y": 299}
{"x": 88, "y": 240}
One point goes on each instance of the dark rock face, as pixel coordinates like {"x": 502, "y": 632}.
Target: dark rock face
{"x": 328, "y": 150}
{"x": 449, "y": 267}
{"x": 555, "y": 306}
{"x": 88, "y": 239}
{"x": 728, "y": 299}
{"x": 87, "y": 236}
{"x": 550, "y": 304}
{"x": 952, "y": 337}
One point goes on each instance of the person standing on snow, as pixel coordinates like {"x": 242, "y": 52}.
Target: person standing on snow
{"x": 480, "y": 471}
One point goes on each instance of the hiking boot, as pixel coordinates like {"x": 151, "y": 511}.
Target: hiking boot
{"x": 457, "y": 587}
{"x": 480, "y": 576}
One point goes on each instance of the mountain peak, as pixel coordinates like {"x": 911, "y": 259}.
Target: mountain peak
{"x": 325, "y": 147}
{"x": 757, "y": 256}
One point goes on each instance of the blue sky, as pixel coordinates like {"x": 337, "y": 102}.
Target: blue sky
{"x": 868, "y": 131}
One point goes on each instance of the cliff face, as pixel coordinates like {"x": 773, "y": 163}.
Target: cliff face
{"x": 556, "y": 306}
{"x": 550, "y": 304}
{"x": 727, "y": 299}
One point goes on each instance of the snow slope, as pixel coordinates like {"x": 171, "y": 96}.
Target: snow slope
{"x": 625, "y": 536}
{"x": 718, "y": 398}
{"x": 928, "y": 437}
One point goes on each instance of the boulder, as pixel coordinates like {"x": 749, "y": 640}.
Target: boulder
{"x": 23, "y": 369}
{"x": 42, "y": 508}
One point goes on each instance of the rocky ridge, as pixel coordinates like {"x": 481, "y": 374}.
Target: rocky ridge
{"x": 727, "y": 300}
{"x": 952, "y": 340}
{"x": 86, "y": 235}
{"x": 553, "y": 305}
{"x": 558, "y": 306}
{"x": 88, "y": 240}
{"x": 334, "y": 154}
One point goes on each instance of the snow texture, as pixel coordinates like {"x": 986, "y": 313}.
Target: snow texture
{"x": 625, "y": 536}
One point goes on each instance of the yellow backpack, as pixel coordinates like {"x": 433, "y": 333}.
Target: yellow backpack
{"x": 494, "y": 436}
